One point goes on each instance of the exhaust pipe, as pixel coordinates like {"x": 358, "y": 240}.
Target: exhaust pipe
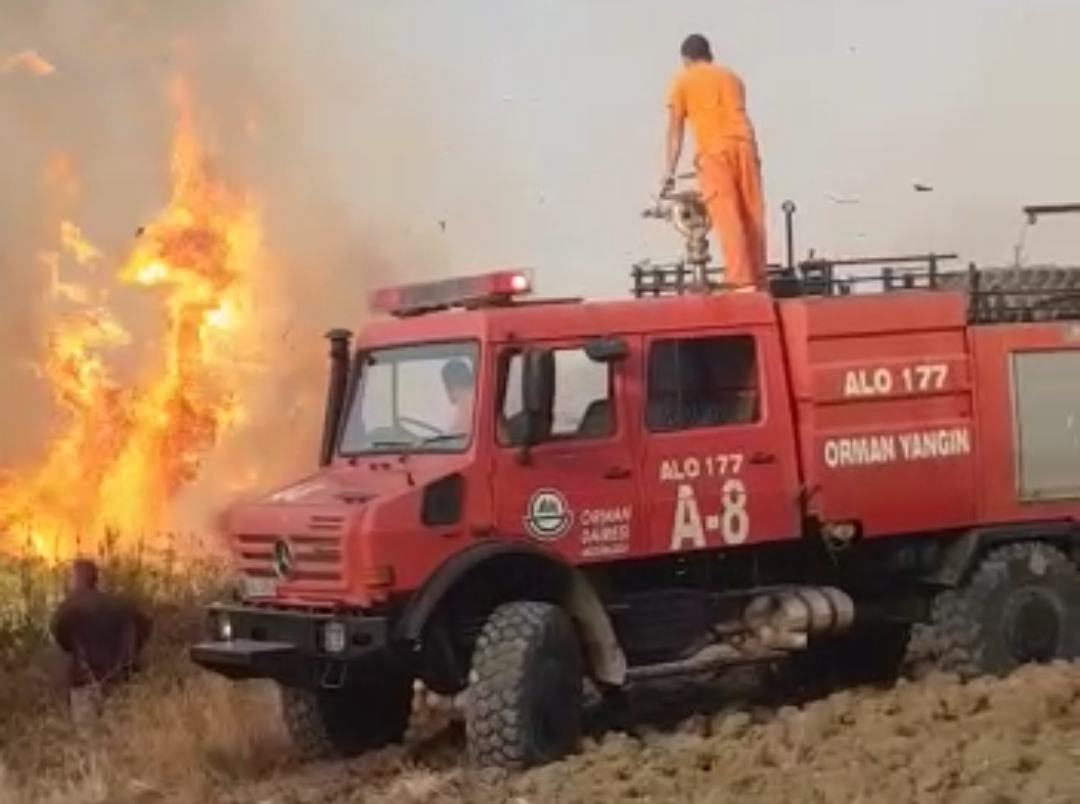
{"x": 335, "y": 391}
{"x": 789, "y": 234}
{"x": 786, "y": 620}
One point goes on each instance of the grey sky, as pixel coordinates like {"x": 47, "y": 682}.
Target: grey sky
{"x": 547, "y": 120}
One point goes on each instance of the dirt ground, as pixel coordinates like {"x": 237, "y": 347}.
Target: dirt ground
{"x": 1015, "y": 741}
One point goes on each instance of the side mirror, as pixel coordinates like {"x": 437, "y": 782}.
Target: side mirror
{"x": 537, "y": 392}
{"x": 606, "y": 350}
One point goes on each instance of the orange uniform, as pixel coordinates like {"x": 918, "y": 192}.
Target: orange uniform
{"x": 712, "y": 100}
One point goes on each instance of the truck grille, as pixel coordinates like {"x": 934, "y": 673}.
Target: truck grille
{"x": 317, "y": 553}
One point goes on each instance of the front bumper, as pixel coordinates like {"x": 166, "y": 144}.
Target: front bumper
{"x": 294, "y": 647}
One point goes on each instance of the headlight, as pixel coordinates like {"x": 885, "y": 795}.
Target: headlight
{"x": 222, "y": 627}
{"x": 333, "y": 637}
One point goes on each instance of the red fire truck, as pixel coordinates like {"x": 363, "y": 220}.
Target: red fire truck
{"x": 520, "y": 495}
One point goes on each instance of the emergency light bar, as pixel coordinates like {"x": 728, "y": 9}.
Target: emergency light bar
{"x": 498, "y": 287}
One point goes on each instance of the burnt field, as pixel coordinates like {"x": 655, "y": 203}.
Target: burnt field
{"x": 182, "y": 736}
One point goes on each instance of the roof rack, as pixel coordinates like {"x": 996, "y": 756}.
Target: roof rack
{"x": 814, "y": 276}
{"x": 995, "y": 295}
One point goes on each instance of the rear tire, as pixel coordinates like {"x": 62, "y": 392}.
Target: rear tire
{"x": 525, "y": 705}
{"x": 1021, "y": 605}
{"x": 361, "y": 716}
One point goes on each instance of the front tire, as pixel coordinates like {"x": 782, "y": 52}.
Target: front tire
{"x": 1021, "y": 605}
{"x": 361, "y": 716}
{"x": 525, "y": 705}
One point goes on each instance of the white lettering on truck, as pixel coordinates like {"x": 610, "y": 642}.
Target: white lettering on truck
{"x": 881, "y": 381}
{"x": 679, "y": 470}
{"x": 939, "y": 444}
{"x": 868, "y": 382}
{"x": 605, "y": 532}
{"x": 689, "y": 530}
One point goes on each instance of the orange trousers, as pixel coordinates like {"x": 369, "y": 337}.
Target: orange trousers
{"x": 730, "y": 181}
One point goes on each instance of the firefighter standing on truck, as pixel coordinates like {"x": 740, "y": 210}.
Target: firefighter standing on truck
{"x": 103, "y": 636}
{"x": 712, "y": 98}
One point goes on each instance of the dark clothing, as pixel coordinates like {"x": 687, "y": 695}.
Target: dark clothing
{"x": 102, "y": 634}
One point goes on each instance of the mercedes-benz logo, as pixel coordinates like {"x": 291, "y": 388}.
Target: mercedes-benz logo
{"x": 283, "y": 558}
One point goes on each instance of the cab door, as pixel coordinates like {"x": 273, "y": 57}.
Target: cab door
{"x": 577, "y": 492}
{"x": 719, "y": 448}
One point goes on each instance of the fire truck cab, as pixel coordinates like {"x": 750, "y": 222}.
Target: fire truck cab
{"x": 520, "y": 496}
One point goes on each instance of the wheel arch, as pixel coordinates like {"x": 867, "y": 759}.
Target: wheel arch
{"x": 959, "y": 559}
{"x": 559, "y": 582}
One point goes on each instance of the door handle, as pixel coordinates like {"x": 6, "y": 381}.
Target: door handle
{"x": 762, "y": 457}
{"x": 617, "y": 473}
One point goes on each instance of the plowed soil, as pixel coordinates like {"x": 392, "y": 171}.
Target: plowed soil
{"x": 986, "y": 742}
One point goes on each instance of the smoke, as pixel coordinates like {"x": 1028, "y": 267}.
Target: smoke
{"x": 290, "y": 109}
{"x": 397, "y": 141}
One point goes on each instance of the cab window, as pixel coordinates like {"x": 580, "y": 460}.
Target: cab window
{"x": 415, "y": 398}
{"x": 702, "y": 382}
{"x": 583, "y": 407}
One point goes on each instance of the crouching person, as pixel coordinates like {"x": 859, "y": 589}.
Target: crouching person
{"x": 102, "y": 636}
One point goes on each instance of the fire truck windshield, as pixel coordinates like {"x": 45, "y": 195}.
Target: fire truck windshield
{"x": 416, "y": 398}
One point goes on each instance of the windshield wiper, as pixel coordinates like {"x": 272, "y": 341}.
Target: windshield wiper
{"x": 408, "y": 447}
{"x": 439, "y": 439}
{"x": 393, "y": 444}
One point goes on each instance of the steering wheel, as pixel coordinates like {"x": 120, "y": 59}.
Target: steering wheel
{"x": 435, "y": 431}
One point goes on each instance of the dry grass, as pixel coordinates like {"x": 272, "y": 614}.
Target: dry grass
{"x": 176, "y": 734}
{"x": 184, "y": 738}
{"x": 171, "y": 572}
{"x": 179, "y": 736}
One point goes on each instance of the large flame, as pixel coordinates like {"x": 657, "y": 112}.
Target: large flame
{"x": 127, "y": 448}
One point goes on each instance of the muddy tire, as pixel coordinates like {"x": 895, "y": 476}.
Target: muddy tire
{"x": 525, "y": 704}
{"x": 360, "y": 717}
{"x": 869, "y": 655}
{"x": 1037, "y": 293}
{"x": 1021, "y": 605}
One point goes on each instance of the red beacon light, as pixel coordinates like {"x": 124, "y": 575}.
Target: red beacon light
{"x": 482, "y": 290}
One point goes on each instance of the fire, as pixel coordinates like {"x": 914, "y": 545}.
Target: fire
{"x": 27, "y": 60}
{"x": 126, "y": 449}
